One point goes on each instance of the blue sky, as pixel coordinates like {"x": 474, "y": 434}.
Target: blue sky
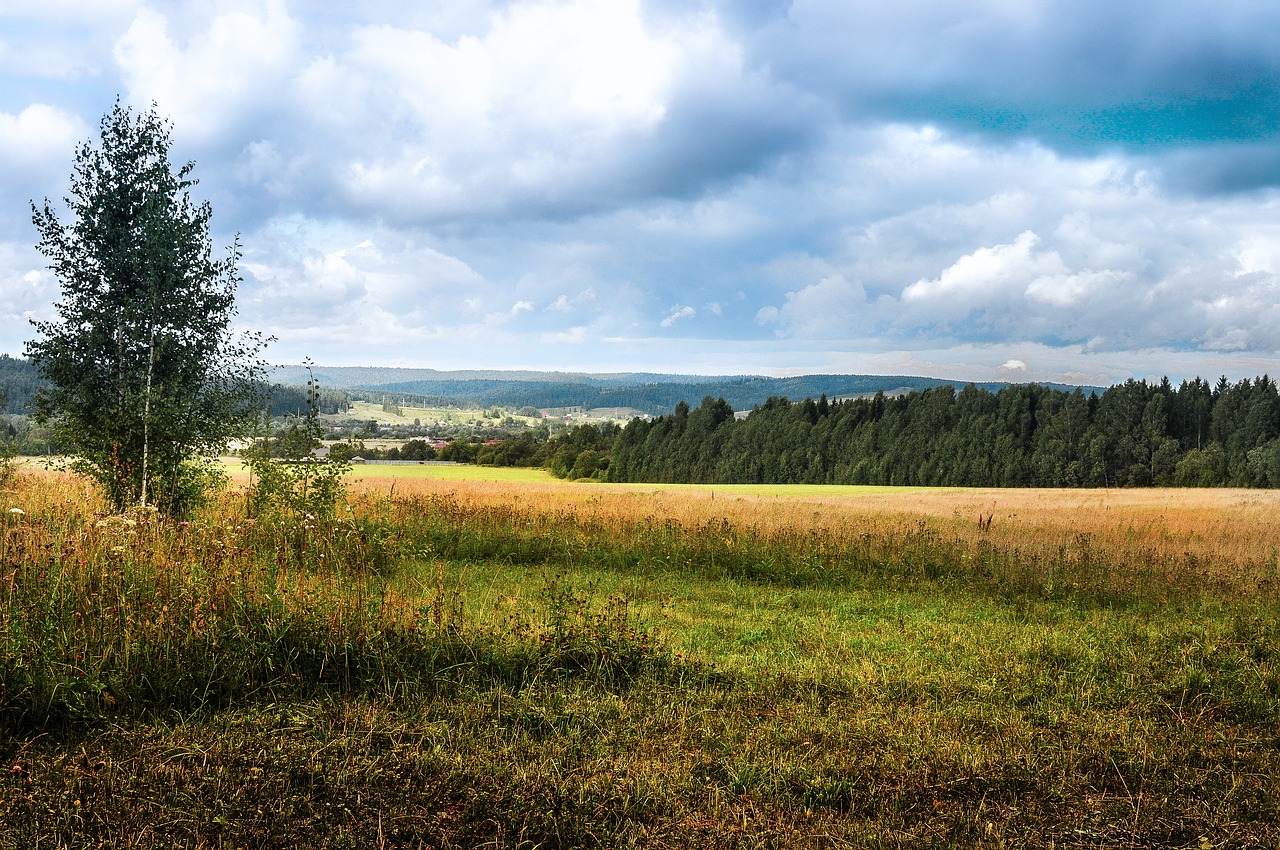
{"x": 1015, "y": 190}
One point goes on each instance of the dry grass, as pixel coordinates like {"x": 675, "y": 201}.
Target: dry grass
{"x": 1223, "y": 535}
{"x": 811, "y": 668}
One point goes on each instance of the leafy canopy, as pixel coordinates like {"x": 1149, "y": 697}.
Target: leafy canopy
{"x": 146, "y": 380}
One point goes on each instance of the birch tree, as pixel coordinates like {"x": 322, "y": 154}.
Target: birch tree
{"x": 146, "y": 380}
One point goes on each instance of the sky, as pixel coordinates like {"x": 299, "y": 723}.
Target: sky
{"x": 1079, "y": 191}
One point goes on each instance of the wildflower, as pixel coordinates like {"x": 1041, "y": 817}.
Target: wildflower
{"x": 17, "y": 512}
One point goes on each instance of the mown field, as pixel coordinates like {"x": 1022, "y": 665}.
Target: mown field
{"x": 518, "y": 662}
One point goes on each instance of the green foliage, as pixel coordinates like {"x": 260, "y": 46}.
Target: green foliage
{"x": 143, "y": 374}
{"x": 607, "y": 642}
{"x": 1264, "y": 463}
{"x": 460, "y": 451}
{"x": 8, "y": 461}
{"x": 580, "y": 453}
{"x": 8, "y": 454}
{"x": 289, "y": 482}
{"x": 1133, "y": 435}
{"x": 292, "y": 400}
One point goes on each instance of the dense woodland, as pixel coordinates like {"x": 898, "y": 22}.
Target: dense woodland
{"x": 19, "y": 381}
{"x": 1133, "y": 434}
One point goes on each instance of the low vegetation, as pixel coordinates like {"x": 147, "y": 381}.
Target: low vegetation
{"x": 456, "y": 663}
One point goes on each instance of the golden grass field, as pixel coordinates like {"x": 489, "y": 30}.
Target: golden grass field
{"x": 1229, "y": 530}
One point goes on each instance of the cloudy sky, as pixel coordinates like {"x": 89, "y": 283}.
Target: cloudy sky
{"x": 1071, "y": 190}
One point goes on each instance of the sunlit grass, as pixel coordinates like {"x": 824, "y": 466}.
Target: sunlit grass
{"x": 460, "y": 661}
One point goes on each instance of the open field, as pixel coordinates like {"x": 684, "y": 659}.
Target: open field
{"x": 364, "y": 410}
{"x": 1225, "y": 531}
{"x": 466, "y": 661}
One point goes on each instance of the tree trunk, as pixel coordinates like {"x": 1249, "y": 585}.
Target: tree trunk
{"x": 146, "y": 412}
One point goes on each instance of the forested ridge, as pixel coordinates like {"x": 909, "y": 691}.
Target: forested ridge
{"x": 641, "y": 393}
{"x": 19, "y": 382}
{"x": 1132, "y": 434}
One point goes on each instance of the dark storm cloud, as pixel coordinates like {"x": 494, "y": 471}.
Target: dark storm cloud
{"x": 1077, "y": 76}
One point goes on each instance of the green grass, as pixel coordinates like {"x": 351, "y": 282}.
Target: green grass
{"x": 453, "y": 671}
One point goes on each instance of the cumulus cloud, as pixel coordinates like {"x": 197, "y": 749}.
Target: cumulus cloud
{"x": 832, "y": 307}
{"x": 360, "y": 293}
{"x": 572, "y": 336}
{"x": 548, "y": 109}
{"x": 29, "y": 292}
{"x": 36, "y": 145}
{"x": 821, "y": 185}
{"x": 225, "y": 75}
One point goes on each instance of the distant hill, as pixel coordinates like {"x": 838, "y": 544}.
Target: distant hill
{"x": 366, "y": 377}
{"x": 652, "y": 393}
{"x": 19, "y": 382}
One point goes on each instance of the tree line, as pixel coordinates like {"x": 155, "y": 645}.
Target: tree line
{"x": 1131, "y": 435}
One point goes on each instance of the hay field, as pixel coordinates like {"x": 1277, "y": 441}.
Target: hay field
{"x": 1234, "y": 534}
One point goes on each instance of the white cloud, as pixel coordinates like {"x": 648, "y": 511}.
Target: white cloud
{"x": 573, "y": 336}
{"x": 989, "y": 276}
{"x": 29, "y": 292}
{"x": 36, "y": 146}
{"x": 678, "y": 312}
{"x": 831, "y": 307}
{"x": 360, "y": 293}
{"x": 546, "y": 85}
{"x": 986, "y": 271}
{"x": 547, "y": 108}
{"x": 234, "y": 64}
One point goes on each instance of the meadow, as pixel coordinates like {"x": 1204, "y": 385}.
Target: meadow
{"x": 462, "y": 657}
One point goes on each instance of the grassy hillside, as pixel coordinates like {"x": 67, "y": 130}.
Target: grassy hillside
{"x": 526, "y": 663}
